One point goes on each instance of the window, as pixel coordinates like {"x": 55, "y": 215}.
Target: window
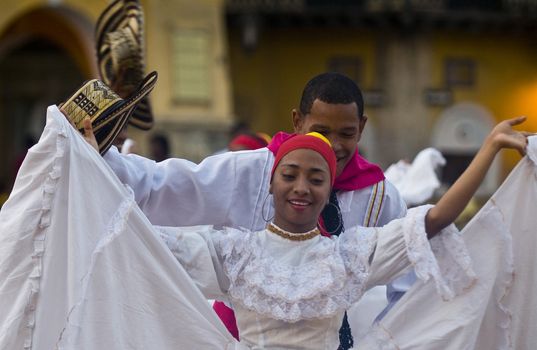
{"x": 460, "y": 72}
{"x": 456, "y": 164}
{"x": 351, "y": 66}
{"x": 191, "y": 75}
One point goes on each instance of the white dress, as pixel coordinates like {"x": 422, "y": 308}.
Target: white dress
{"x": 82, "y": 268}
{"x": 293, "y": 294}
{"x": 232, "y": 190}
{"x": 500, "y": 310}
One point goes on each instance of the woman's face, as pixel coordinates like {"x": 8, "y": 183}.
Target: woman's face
{"x": 301, "y": 188}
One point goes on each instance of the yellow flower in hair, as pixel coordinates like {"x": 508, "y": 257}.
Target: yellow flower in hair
{"x": 319, "y": 136}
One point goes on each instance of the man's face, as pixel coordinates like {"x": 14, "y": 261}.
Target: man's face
{"x": 339, "y": 123}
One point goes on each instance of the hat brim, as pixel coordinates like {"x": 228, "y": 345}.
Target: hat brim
{"x": 123, "y": 64}
{"x": 108, "y": 128}
{"x": 112, "y": 119}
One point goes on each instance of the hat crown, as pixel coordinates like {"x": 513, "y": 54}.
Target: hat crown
{"x": 89, "y": 101}
{"x": 121, "y": 54}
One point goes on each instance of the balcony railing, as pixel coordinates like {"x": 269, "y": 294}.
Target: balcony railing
{"x": 505, "y": 7}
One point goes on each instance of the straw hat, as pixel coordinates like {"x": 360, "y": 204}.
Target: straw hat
{"x": 108, "y": 112}
{"x": 120, "y": 54}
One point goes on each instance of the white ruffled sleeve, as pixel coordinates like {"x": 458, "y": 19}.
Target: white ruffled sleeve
{"x": 403, "y": 244}
{"x": 194, "y": 248}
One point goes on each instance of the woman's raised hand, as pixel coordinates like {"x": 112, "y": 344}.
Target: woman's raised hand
{"x": 503, "y": 135}
{"x": 459, "y": 194}
{"x": 88, "y": 131}
{"x": 88, "y": 134}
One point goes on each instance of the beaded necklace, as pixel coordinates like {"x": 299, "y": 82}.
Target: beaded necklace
{"x": 293, "y": 236}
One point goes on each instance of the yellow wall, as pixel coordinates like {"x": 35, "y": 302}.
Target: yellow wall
{"x": 70, "y": 25}
{"x": 163, "y": 18}
{"x": 72, "y": 31}
{"x": 267, "y": 82}
{"x": 271, "y": 78}
{"x": 12, "y": 9}
{"x": 506, "y": 75}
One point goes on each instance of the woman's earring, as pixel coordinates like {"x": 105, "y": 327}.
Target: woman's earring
{"x": 263, "y": 210}
{"x": 339, "y": 217}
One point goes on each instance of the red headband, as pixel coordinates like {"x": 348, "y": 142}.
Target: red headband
{"x": 308, "y": 142}
{"x": 248, "y": 141}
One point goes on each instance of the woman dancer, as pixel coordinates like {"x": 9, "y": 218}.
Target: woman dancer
{"x": 288, "y": 284}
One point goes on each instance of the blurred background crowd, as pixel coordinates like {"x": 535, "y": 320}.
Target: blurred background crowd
{"x": 434, "y": 73}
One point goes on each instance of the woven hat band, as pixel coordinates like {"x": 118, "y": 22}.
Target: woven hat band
{"x": 91, "y": 100}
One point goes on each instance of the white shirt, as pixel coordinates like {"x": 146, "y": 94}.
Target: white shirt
{"x": 228, "y": 189}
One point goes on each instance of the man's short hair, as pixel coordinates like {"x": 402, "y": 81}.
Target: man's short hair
{"x": 334, "y": 88}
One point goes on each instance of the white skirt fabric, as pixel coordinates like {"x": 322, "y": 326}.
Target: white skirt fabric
{"x": 500, "y": 310}
{"x": 82, "y": 268}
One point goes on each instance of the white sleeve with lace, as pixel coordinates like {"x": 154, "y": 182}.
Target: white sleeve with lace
{"x": 403, "y": 244}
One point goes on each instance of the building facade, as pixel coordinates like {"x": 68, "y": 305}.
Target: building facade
{"x": 434, "y": 73}
{"x": 47, "y": 51}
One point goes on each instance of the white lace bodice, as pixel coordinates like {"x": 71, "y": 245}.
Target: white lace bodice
{"x": 278, "y": 286}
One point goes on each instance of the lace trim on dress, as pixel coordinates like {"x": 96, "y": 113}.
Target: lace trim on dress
{"x": 444, "y": 258}
{"x": 49, "y": 188}
{"x": 332, "y": 279}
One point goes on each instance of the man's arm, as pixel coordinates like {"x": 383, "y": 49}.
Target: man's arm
{"x": 222, "y": 190}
